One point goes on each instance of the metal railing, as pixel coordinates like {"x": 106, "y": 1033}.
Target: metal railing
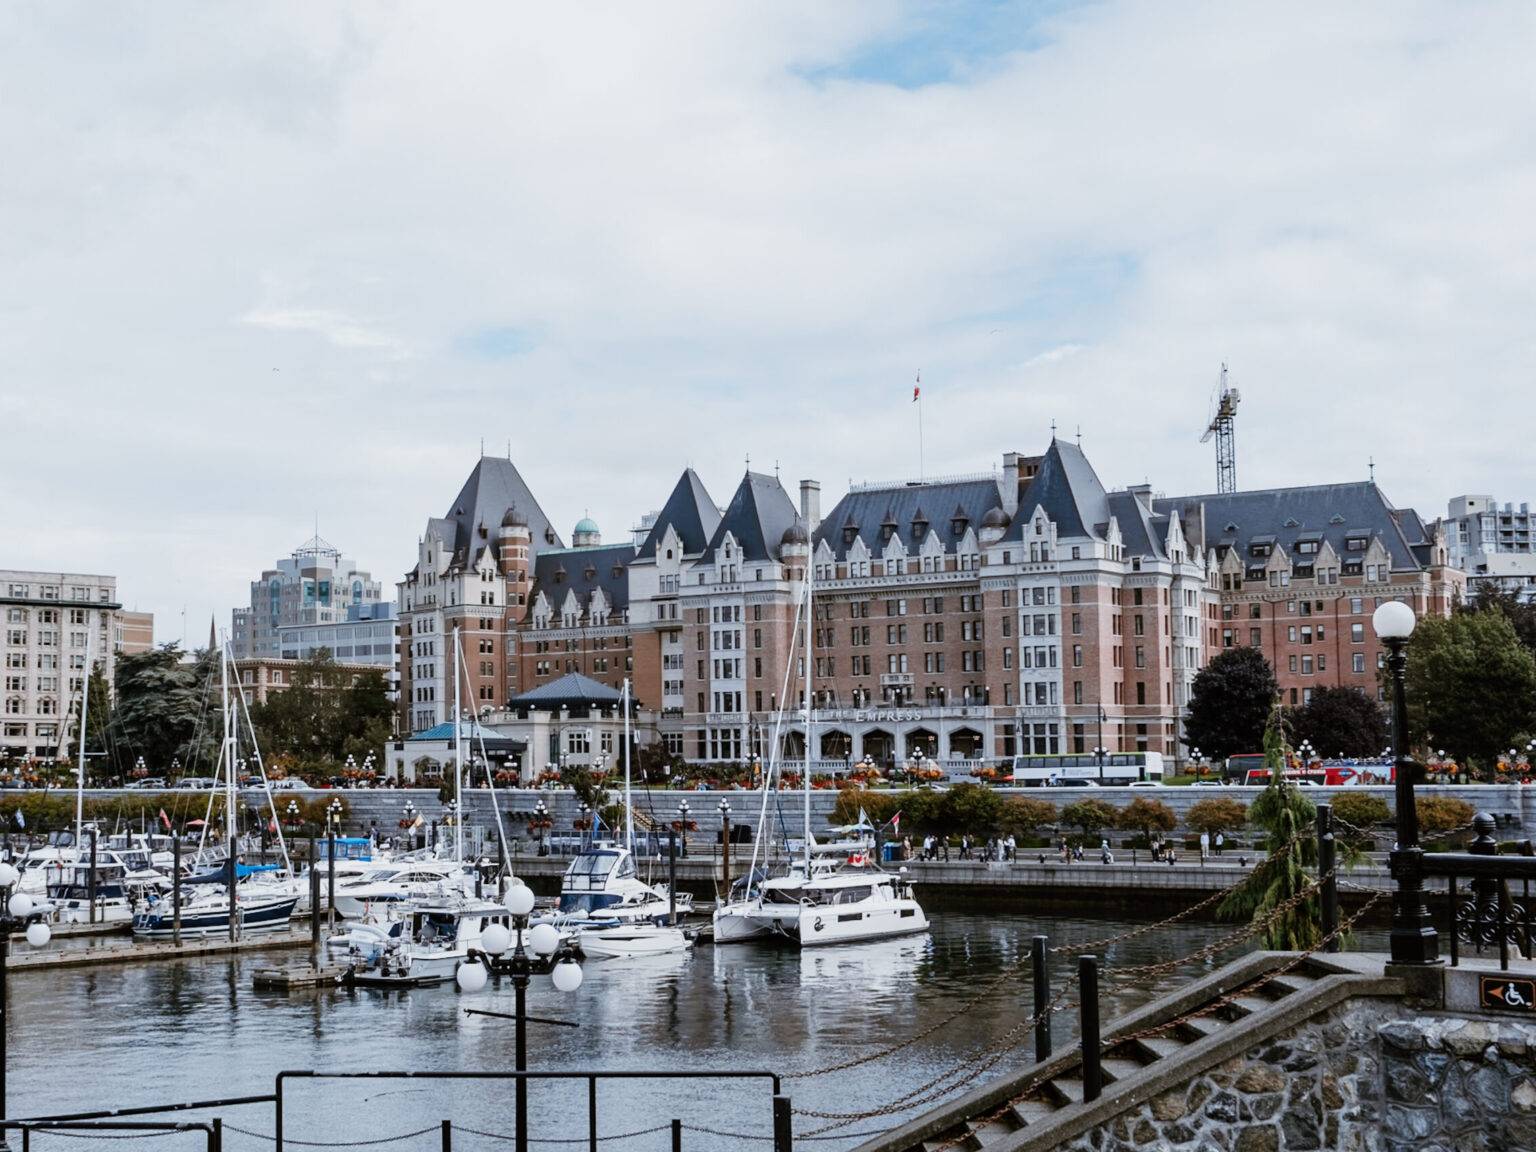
{"x": 1485, "y": 915}
{"x": 781, "y": 1138}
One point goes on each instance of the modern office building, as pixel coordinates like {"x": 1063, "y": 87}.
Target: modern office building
{"x": 1493, "y": 545}
{"x": 51, "y": 621}
{"x": 314, "y": 587}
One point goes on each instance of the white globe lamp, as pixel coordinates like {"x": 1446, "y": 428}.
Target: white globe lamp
{"x": 9, "y": 877}
{"x": 1394, "y": 620}
{"x": 20, "y": 905}
{"x": 566, "y": 976}
{"x": 472, "y": 977}
{"x": 496, "y": 939}
{"x": 519, "y": 899}
{"x": 38, "y": 934}
{"x": 544, "y": 939}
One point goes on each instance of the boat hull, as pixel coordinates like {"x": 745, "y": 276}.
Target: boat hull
{"x": 255, "y": 917}
{"x": 630, "y": 941}
{"x": 818, "y": 927}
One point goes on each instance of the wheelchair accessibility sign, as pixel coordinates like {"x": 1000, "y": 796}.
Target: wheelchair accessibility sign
{"x": 1502, "y": 993}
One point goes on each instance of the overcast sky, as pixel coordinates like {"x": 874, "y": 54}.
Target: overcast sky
{"x": 263, "y": 263}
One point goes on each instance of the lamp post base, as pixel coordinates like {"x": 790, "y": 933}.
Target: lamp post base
{"x": 1414, "y": 939}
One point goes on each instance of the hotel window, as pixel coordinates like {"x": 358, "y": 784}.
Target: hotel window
{"x": 1306, "y": 665}
{"x": 1077, "y": 691}
{"x": 1357, "y": 633}
{"x": 1356, "y": 605}
{"x": 1077, "y": 655}
{"x": 1141, "y": 692}
{"x": 1007, "y": 657}
{"x": 1290, "y": 633}
{"x": 1359, "y": 662}
{"x": 1293, "y": 664}
{"x": 1255, "y": 637}
{"x": 1141, "y": 656}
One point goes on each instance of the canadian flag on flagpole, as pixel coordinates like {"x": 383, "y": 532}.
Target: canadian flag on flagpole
{"x": 917, "y": 389}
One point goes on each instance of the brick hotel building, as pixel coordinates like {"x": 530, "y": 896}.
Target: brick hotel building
{"x": 1025, "y": 610}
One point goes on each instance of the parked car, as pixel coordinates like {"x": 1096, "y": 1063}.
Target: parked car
{"x": 195, "y": 783}
{"x": 148, "y": 784}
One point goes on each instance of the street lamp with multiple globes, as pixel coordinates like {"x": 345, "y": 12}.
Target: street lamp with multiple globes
{"x": 541, "y": 814}
{"x": 682, "y": 824}
{"x": 1194, "y": 755}
{"x": 544, "y": 952}
{"x": 1413, "y": 938}
{"x": 1099, "y": 753}
{"x": 19, "y": 912}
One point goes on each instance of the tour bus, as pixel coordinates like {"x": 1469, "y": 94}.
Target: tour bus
{"x": 1077, "y": 769}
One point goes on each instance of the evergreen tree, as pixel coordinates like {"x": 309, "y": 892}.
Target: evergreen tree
{"x": 1471, "y": 686}
{"x": 1288, "y": 818}
{"x": 157, "y": 709}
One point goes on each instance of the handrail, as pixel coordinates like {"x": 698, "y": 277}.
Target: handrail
{"x": 1483, "y": 867}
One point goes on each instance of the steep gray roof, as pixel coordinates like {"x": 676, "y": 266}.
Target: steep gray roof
{"x": 584, "y": 570}
{"x": 948, "y": 508}
{"x": 759, "y": 512}
{"x": 494, "y": 486}
{"x": 572, "y": 688}
{"x": 1141, "y": 534}
{"x": 1069, "y": 490}
{"x": 1235, "y": 519}
{"x": 690, "y": 511}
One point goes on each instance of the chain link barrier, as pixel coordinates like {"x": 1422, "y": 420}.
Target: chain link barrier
{"x": 335, "y": 1143}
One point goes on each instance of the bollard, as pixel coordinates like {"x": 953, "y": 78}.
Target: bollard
{"x": 216, "y": 1137}
{"x": 1088, "y": 1014}
{"x": 447, "y": 1136}
{"x": 1325, "y": 869}
{"x": 677, "y": 1136}
{"x": 783, "y": 1132}
{"x": 1039, "y": 958}
{"x": 330, "y": 879}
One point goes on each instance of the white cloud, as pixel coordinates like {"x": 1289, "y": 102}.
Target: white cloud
{"x": 243, "y": 250}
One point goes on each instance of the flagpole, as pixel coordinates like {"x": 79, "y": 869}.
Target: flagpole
{"x": 917, "y": 397}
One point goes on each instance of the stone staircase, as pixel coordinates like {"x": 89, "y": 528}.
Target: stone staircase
{"x": 1163, "y": 1046}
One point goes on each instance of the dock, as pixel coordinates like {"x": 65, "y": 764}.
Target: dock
{"x": 24, "y": 959}
{"x": 291, "y": 977}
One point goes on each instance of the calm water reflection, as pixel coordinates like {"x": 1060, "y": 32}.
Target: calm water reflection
{"x": 196, "y": 1029}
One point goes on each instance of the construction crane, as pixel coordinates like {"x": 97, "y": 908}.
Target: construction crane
{"x": 1223, "y": 413}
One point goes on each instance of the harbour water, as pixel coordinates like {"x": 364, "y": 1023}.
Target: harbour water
{"x": 196, "y": 1029}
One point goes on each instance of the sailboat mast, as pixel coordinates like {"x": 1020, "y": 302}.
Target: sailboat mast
{"x": 228, "y": 752}
{"x": 458, "y": 754}
{"x": 629, "y": 809}
{"x": 810, "y": 716}
{"x": 85, "y": 705}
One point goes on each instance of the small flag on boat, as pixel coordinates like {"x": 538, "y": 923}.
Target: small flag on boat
{"x": 21, "y": 818}
{"x": 896, "y": 823}
{"x": 166, "y": 820}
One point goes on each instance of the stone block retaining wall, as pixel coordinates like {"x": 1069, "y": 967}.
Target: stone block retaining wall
{"x": 1362, "y": 1078}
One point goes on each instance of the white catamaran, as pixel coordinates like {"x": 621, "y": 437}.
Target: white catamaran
{"x": 824, "y": 898}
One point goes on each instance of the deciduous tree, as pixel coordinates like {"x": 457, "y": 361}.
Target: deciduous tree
{"x": 1471, "y": 685}
{"x": 1216, "y": 814}
{"x": 1147, "y": 816}
{"x": 1340, "y": 722}
{"x": 1230, "y": 703}
{"x": 1090, "y": 815}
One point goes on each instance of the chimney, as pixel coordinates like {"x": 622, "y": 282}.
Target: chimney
{"x": 810, "y": 503}
{"x": 1010, "y": 482}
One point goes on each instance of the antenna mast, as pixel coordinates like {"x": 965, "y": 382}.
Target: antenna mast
{"x": 1221, "y": 427}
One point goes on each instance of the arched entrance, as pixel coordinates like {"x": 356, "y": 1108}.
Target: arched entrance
{"x": 966, "y": 742}
{"x": 880, "y": 746}
{"x": 836, "y": 745}
{"x": 923, "y": 740}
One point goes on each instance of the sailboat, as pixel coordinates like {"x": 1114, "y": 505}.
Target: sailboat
{"x": 822, "y": 900}
{"x": 243, "y": 899}
{"x": 630, "y": 936}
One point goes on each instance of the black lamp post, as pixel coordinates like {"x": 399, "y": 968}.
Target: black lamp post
{"x": 586, "y": 833}
{"x": 18, "y": 911}
{"x": 544, "y": 953}
{"x": 1099, "y": 756}
{"x": 408, "y": 818}
{"x": 540, "y": 814}
{"x": 682, "y": 821}
{"x": 1414, "y": 939}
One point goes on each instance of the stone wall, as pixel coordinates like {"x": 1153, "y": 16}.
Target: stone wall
{"x": 1362, "y": 1078}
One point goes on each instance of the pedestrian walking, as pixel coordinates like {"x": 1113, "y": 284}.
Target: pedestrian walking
{"x": 1010, "y": 848}
{"x": 965, "y": 847}
{"x": 1221, "y": 842}
{"x": 1205, "y": 846}
{"x": 944, "y": 841}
